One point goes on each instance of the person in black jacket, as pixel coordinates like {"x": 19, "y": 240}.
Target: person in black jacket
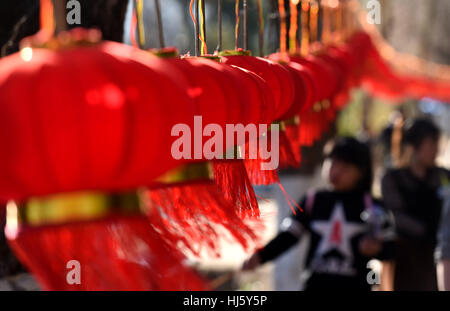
{"x": 412, "y": 193}
{"x": 347, "y": 226}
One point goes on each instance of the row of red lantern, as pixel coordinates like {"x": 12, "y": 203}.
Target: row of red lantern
{"x": 93, "y": 116}
{"x": 98, "y": 118}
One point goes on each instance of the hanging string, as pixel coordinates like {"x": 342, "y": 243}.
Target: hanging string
{"x": 133, "y": 26}
{"x": 261, "y": 27}
{"x": 52, "y": 16}
{"x": 305, "y": 28}
{"x": 219, "y": 26}
{"x": 236, "y": 29}
{"x": 196, "y": 27}
{"x": 160, "y": 25}
{"x": 199, "y": 34}
{"x": 245, "y": 4}
{"x": 47, "y": 17}
{"x": 326, "y": 23}
{"x": 204, "y": 47}
{"x": 139, "y": 9}
{"x": 314, "y": 21}
{"x": 293, "y": 7}
{"x": 283, "y": 29}
{"x": 338, "y": 21}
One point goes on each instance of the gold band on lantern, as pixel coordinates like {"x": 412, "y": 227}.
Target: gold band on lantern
{"x": 72, "y": 207}
{"x": 292, "y": 121}
{"x": 281, "y": 124}
{"x": 91, "y": 205}
{"x": 288, "y": 122}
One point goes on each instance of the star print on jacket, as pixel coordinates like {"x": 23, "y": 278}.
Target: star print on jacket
{"x": 336, "y": 232}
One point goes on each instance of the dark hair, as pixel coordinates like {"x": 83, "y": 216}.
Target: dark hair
{"x": 353, "y": 151}
{"x": 416, "y": 131}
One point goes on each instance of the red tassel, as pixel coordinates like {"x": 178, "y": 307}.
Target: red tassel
{"x": 260, "y": 177}
{"x": 233, "y": 181}
{"x": 194, "y": 216}
{"x": 256, "y": 175}
{"x": 289, "y": 156}
{"x": 122, "y": 253}
{"x": 291, "y": 202}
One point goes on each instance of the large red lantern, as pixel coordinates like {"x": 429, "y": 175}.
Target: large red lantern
{"x": 88, "y": 120}
{"x": 95, "y": 122}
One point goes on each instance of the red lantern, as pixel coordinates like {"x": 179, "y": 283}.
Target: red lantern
{"x": 85, "y": 126}
{"x": 276, "y": 76}
{"x": 280, "y": 84}
{"x": 88, "y": 120}
{"x": 314, "y": 76}
{"x": 221, "y": 194}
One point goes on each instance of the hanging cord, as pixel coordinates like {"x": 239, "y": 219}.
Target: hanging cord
{"x": 52, "y": 16}
{"x": 326, "y": 23}
{"x": 199, "y": 37}
{"x": 196, "y": 27}
{"x": 293, "y": 8}
{"x": 219, "y": 26}
{"x": 338, "y": 21}
{"x": 236, "y": 29}
{"x": 261, "y": 27}
{"x": 305, "y": 27}
{"x": 283, "y": 29}
{"x": 139, "y": 11}
{"x": 47, "y": 17}
{"x": 204, "y": 48}
{"x": 160, "y": 24}
{"x": 245, "y": 4}
{"x": 314, "y": 21}
{"x": 133, "y": 25}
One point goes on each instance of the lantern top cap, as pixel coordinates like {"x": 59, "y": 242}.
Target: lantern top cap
{"x": 238, "y": 52}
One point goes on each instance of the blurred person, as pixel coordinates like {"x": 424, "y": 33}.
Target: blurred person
{"x": 412, "y": 194}
{"x": 443, "y": 247}
{"x": 341, "y": 242}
